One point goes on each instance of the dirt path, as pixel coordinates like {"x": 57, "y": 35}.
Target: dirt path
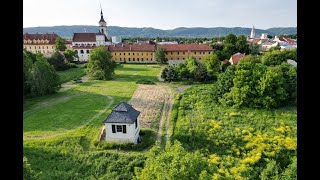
{"x": 70, "y": 84}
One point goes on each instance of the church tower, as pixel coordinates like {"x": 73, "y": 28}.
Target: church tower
{"x": 253, "y": 33}
{"x": 103, "y": 26}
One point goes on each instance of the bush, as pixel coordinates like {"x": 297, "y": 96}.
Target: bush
{"x": 72, "y": 65}
{"x": 144, "y": 81}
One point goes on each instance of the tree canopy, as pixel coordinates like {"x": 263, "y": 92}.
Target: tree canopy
{"x": 161, "y": 56}
{"x": 100, "y": 65}
{"x": 40, "y": 78}
{"x": 60, "y": 44}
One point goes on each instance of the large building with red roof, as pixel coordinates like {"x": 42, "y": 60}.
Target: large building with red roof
{"x": 43, "y": 43}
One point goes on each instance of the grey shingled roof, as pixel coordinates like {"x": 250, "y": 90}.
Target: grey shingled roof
{"x": 122, "y": 113}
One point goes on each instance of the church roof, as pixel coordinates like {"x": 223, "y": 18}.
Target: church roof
{"x": 84, "y": 37}
{"x": 122, "y": 113}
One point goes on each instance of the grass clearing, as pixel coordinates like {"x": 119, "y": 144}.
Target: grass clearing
{"x": 65, "y": 125}
{"x": 70, "y": 74}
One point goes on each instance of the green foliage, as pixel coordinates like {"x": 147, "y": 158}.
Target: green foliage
{"x": 229, "y": 49}
{"x": 60, "y": 44}
{"x": 271, "y": 171}
{"x": 183, "y": 72}
{"x": 57, "y": 60}
{"x": 200, "y": 73}
{"x": 100, "y": 65}
{"x": 160, "y": 56}
{"x": 60, "y": 130}
{"x": 254, "y": 49}
{"x": 40, "y": 78}
{"x": 70, "y": 74}
{"x": 273, "y": 58}
{"x": 173, "y": 162}
{"x": 224, "y": 83}
{"x": 290, "y": 54}
{"x": 238, "y": 143}
{"x": 191, "y": 65}
{"x": 72, "y": 65}
{"x": 230, "y": 39}
{"x": 250, "y": 58}
{"x": 70, "y": 55}
{"x": 224, "y": 66}
{"x": 28, "y": 172}
{"x": 242, "y": 44}
{"x": 256, "y": 85}
{"x": 212, "y": 64}
{"x": 145, "y": 81}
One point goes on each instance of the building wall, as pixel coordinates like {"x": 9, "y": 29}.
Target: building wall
{"x": 133, "y": 56}
{"x": 46, "y": 49}
{"x": 130, "y": 137}
{"x": 83, "y": 56}
{"x": 179, "y": 55}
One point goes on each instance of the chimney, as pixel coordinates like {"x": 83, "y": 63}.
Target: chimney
{"x": 122, "y": 45}
{"x": 114, "y": 45}
{"x": 130, "y": 48}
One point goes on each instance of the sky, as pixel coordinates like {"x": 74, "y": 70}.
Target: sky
{"x": 162, "y": 14}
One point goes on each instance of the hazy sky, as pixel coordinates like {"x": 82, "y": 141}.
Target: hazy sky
{"x": 162, "y": 14}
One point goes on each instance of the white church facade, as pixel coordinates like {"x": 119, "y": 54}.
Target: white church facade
{"x": 83, "y": 43}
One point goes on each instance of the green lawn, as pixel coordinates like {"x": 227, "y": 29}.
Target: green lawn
{"x": 71, "y": 74}
{"x": 60, "y": 130}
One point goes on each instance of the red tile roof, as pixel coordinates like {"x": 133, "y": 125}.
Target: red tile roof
{"x": 132, "y": 47}
{"x": 51, "y": 37}
{"x": 186, "y": 47}
{"x": 236, "y": 57}
{"x": 84, "y": 37}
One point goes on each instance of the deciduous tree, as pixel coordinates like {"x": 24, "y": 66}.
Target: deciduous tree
{"x": 100, "y": 65}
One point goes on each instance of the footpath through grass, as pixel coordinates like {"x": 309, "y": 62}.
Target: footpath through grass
{"x": 60, "y": 130}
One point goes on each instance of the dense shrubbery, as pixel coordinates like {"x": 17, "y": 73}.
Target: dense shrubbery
{"x": 213, "y": 142}
{"x": 239, "y": 143}
{"x": 39, "y": 77}
{"x": 250, "y": 83}
{"x": 57, "y": 60}
{"x": 205, "y": 70}
{"x": 173, "y": 162}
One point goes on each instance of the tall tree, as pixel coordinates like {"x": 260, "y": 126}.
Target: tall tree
{"x": 230, "y": 39}
{"x": 242, "y": 44}
{"x": 212, "y": 63}
{"x": 70, "y": 55}
{"x": 273, "y": 58}
{"x": 100, "y": 65}
{"x": 161, "y": 56}
{"x": 191, "y": 64}
{"x": 60, "y": 44}
{"x": 57, "y": 60}
{"x": 43, "y": 78}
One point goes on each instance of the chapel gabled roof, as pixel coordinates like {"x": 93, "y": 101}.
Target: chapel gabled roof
{"x": 122, "y": 113}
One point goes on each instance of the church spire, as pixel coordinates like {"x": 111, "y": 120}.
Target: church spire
{"x": 253, "y": 32}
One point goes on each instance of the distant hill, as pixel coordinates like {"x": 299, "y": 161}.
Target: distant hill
{"x": 67, "y": 31}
